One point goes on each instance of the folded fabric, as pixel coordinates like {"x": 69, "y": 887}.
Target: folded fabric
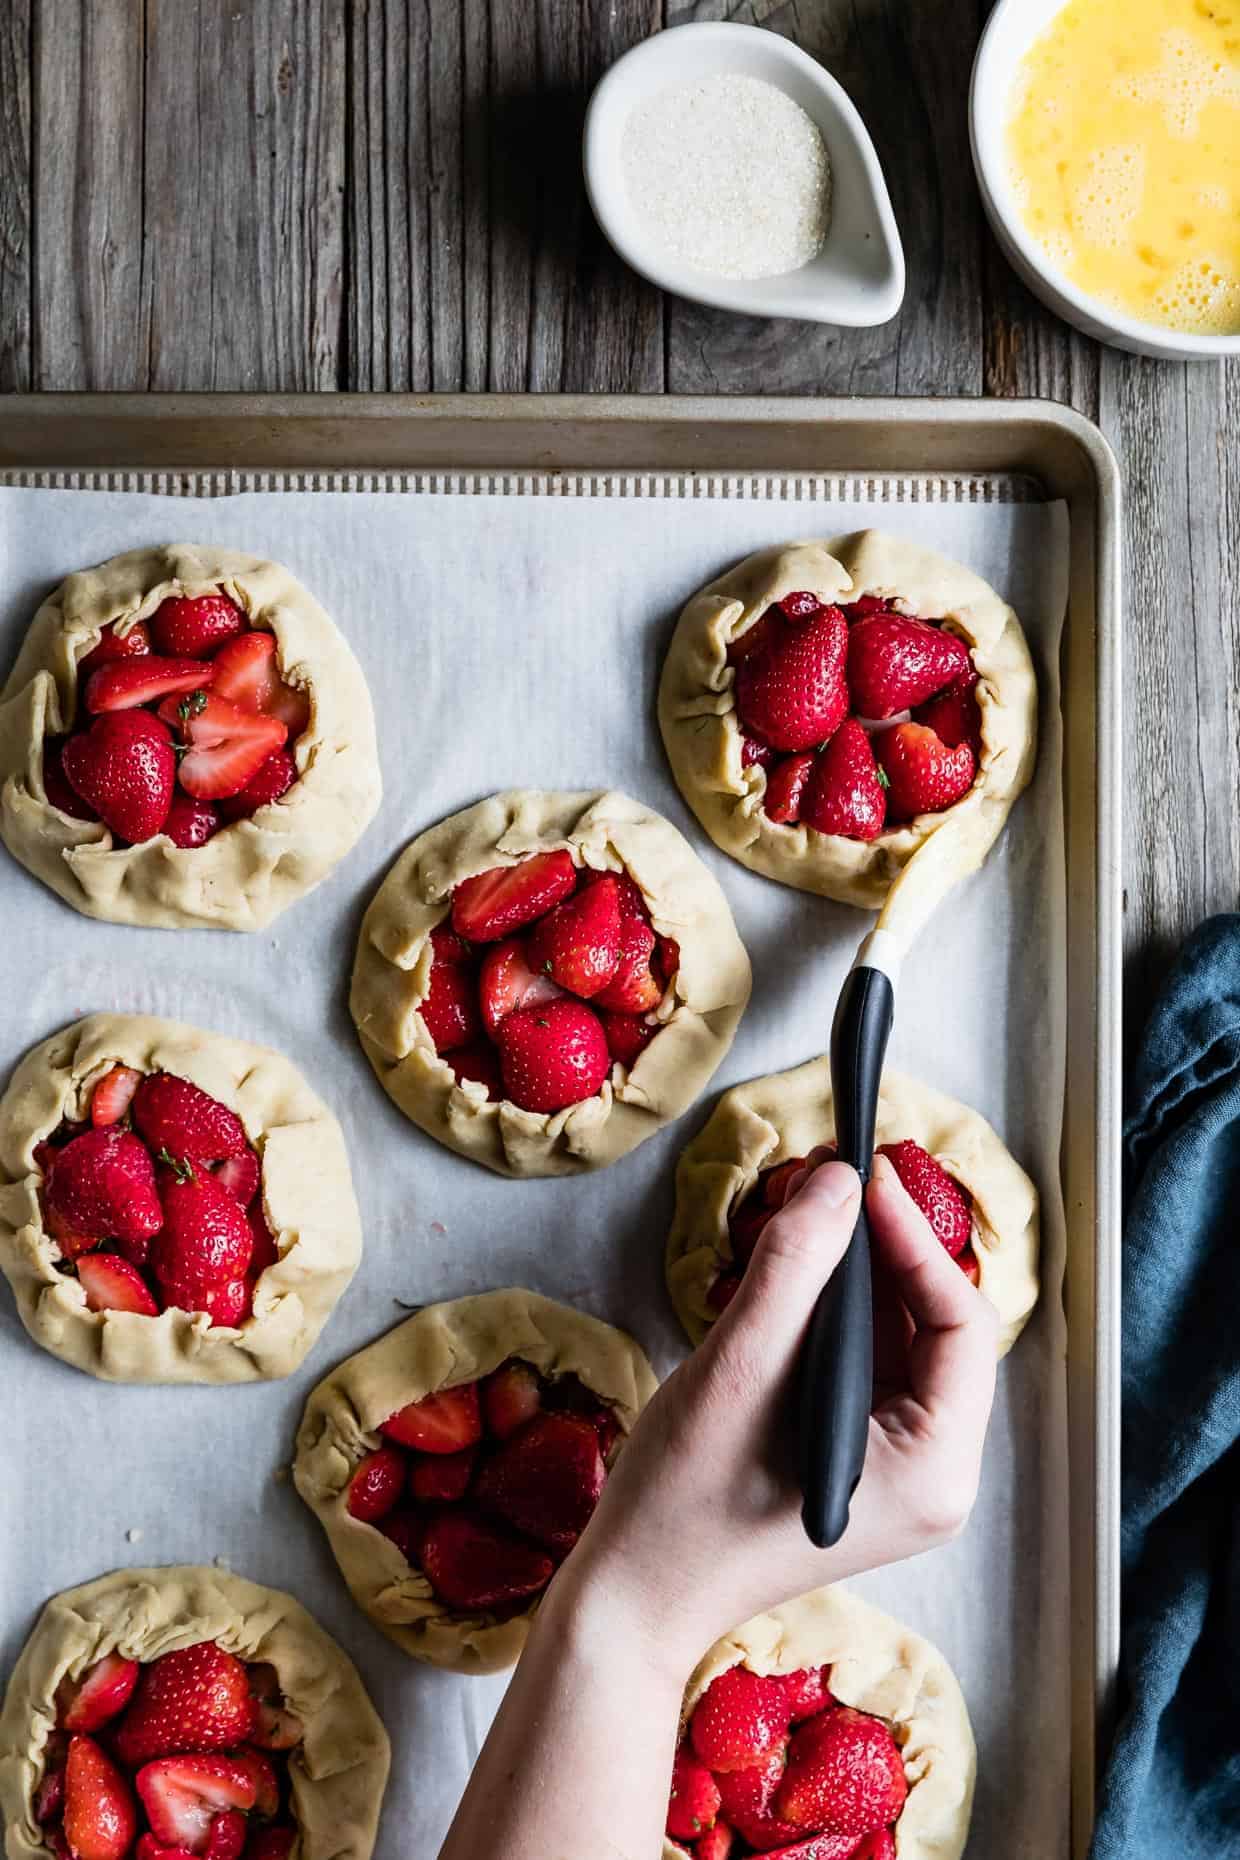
{"x": 1172, "y": 1787}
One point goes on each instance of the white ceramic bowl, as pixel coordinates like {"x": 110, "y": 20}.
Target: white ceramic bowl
{"x": 1010, "y": 31}
{"x": 856, "y": 280}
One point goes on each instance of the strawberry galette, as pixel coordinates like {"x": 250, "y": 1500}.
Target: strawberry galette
{"x": 185, "y": 741}
{"x": 735, "y": 1174}
{"x": 175, "y": 1206}
{"x": 831, "y": 708}
{"x": 544, "y": 980}
{"x": 160, "y": 1713}
{"x": 822, "y": 1731}
{"x": 455, "y": 1462}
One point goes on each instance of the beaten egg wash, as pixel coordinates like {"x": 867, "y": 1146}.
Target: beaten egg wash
{"x": 1124, "y": 145}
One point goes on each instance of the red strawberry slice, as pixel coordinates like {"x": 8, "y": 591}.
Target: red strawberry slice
{"x": 808, "y": 1692}
{"x": 894, "y": 663}
{"x": 193, "y": 627}
{"x": 442, "y": 1478}
{"x": 722, "y": 1290}
{"x": 569, "y": 1395}
{"x": 947, "y": 1206}
{"x": 70, "y": 1243}
{"x": 790, "y": 690}
{"x": 578, "y": 942}
{"x": 275, "y": 1843}
{"x": 740, "y": 1718}
{"x": 755, "y": 637}
{"x": 508, "y": 982}
{"x": 191, "y": 823}
{"x": 845, "y": 793}
{"x": 269, "y": 783}
{"x": 864, "y": 606}
{"x": 183, "y": 1795}
{"x": 100, "y": 1816}
{"x": 228, "y": 746}
{"x": 694, "y": 1803}
{"x": 56, "y": 784}
{"x": 745, "y": 1224}
{"x": 478, "y": 1061}
{"x": 450, "y": 1010}
{"x": 447, "y": 1421}
{"x": 103, "y": 1690}
{"x": 954, "y": 715}
{"x": 717, "y": 1843}
{"x": 129, "y": 683}
{"x": 552, "y": 1056}
{"x": 844, "y": 1775}
{"x": 103, "y": 1183}
{"x": 404, "y": 1528}
{"x": 113, "y": 1095}
{"x": 113, "y": 646}
{"x": 777, "y": 1182}
{"x": 124, "y": 767}
{"x": 241, "y": 1175}
{"x": 246, "y": 671}
{"x": 880, "y": 1846}
{"x": 49, "y": 1797}
{"x": 820, "y": 1847}
{"x": 469, "y": 1565}
{"x": 205, "y": 1240}
{"x": 511, "y": 1396}
{"x": 194, "y": 1699}
{"x": 449, "y": 947}
{"x": 627, "y": 1035}
{"x": 227, "y": 1304}
{"x": 265, "y": 1252}
{"x": 227, "y": 1837}
{"x": 634, "y": 988}
{"x": 546, "y": 1480}
{"x": 175, "y": 1115}
{"x": 968, "y": 1264}
{"x": 501, "y": 900}
{"x": 376, "y": 1485}
{"x": 747, "y": 1794}
{"x": 801, "y": 605}
{"x": 276, "y": 1728}
{"x": 756, "y": 754}
{"x": 785, "y": 786}
{"x": 923, "y": 774}
{"x": 112, "y": 1284}
{"x": 266, "y": 1782}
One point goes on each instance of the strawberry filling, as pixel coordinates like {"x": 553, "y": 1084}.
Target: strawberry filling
{"x": 543, "y": 978}
{"x": 157, "y": 1201}
{"x": 486, "y": 1486}
{"x": 185, "y": 726}
{"x": 860, "y": 718}
{"x": 773, "y": 1764}
{"x": 183, "y": 1755}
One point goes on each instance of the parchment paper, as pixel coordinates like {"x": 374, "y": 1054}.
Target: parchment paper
{"x": 517, "y": 640}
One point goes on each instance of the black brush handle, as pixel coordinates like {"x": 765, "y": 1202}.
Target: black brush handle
{"x": 837, "y": 1366}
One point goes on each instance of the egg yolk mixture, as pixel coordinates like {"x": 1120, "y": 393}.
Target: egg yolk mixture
{"x": 1124, "y": 144}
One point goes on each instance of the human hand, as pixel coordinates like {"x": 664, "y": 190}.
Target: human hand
{"x": 699, "y": 1525}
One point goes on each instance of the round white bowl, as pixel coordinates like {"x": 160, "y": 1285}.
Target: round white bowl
{"x": 856, "y": 280}
{"x": 1010, "y": 31}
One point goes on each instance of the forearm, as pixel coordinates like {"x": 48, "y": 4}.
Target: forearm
{"x": 579, "y": 1758}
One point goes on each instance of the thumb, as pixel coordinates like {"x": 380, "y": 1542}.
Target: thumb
{"x": 799, "y": 1249}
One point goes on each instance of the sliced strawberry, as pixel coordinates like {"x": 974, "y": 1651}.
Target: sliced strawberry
{"x": 103, "y": 1690}
{"x": 578, "y": 942}
{"x": 227, "y": 1304}
{"x": 694, "y": 1802}
{"x": 112, "y": 1284}
{"x": 511, "y": 1396}
{"x": 175, "y": 1115}
{"x": 777, "y": 1182}
{"x": 801, "y": 605}
{"x": 722, "y": 1290}
{"x": 113, "y": 646}
{"x": 790, "y": 690}
{"x": 844, "y": 1775}
{"x": 747, "y": 1795}
{"x": 274, "y": 1843}
{"x": 923, "y": 775}
{"x": 124, "y": 768}
{"x": 70, "y": 1243}
{"x": 546, "y": 1480}
{"x": 634, "y": 988}
{"x": 450, "y": 1010}
{"x": 808, "y": 1691}
{"x": 745, "y": 1224}
{"x": 227, "y": 746}
{"x": 404, "y": 1528}
{"x": 895, "y": 663}
{"x": 449, "y": 947}
{"x": 717, "y": 1843}
{"x": 49, "y": 1797}
{"x": 269, "y": 783}
{"x": 265, "y": 1251}
{"x": 552, "y": 1056}
{"x": 441, "y": 1478}
{"x": 845, "y": 794}
{"x": 947, "y": 1206}
{"x": 499, "y": 901}
{"x": 755, "y": 637}
{"x": 113, "y": 1095}
{"x": 740, "y": 1719}
{"x": 266, "y": 1782}
{"x": 183, "y": 1796}
{"x": 291, "y": 705}
{"x": 376, "y": 1485}
{"x": 568, "y": 1394}
{"x": 129, "y": 683}
{"x": 275, "y": 1727}
{"x": 100, "y": 1815}
{"x": 193, "y": 1699}
{"x": 954, "y": 715}
{"x": 241, "y": 1175}
{"x": 627, "y": 1035}
{"x": 968, "y": 1264}
{"x": 478, "y": 1061}
{"x": 880, "y": 1846}
{"x": 820, "y": 1847}
{"x": 246, "y": 671}
{"x": 785, "y": 786}
{"x": 756, "y": 754}
{"x": 102, "y": 1183}
{"x": 864, "y": 606}
{"x": 57, "y": 787}
{"x": 508, "y": 982}
{"x": 193, "y": 627}
{"x": 447, "y": 1421}
{"x": 471, "y": 1566}
{"x": 227, "y": 1837}
{"x": 191, "y": 823}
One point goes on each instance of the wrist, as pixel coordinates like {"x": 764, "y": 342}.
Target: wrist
{"x": 596, "y": 1618}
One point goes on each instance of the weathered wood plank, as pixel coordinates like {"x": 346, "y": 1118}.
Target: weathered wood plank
{"x": 1029, "y": 351}
{"x": 16, "y": 223}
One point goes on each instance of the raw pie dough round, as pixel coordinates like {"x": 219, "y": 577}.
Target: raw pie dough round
{"x": 439, "y": 1347}
{"x": 699, "y": 1012}
{"x": 698, "y": 719}
{"x": 248, "y": 872}
{"x": 307, "y": 1195}
{"x": 338, "y": 1774}
{"x": 877, "y": 1666}
{"x": 768, "y": 1120}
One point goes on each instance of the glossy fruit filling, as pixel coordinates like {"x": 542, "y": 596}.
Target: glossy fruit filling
{"x": 184, "y": 725}
{"x": 156, "y": 1201}
{"x": 946, "y": 1204}
{"x": 775, "y": 1765}
{"x": 183, "y": 1755}
{"x": 860, "y": 717}
{"x": 543, "y": 977}
{"x": 486, "y": 1486}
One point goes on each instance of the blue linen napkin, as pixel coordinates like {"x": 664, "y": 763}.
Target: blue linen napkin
{"x": 1172, "y": 1788}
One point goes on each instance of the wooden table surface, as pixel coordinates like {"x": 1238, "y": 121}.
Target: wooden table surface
{"x": 385, "y": 194}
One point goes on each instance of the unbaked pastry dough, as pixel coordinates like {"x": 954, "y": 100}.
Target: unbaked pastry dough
{"x": 307, "y": 1197}
{"x": 922, "y": 858}
{"x": 881, "y": 1667}
{"x": 439, "y": 1347}
{"x": 337, "y": 1774}
{"x": 248, "y": 872}
{"x": 699, "y": 1012}
{"x": 768, "y": 1120}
